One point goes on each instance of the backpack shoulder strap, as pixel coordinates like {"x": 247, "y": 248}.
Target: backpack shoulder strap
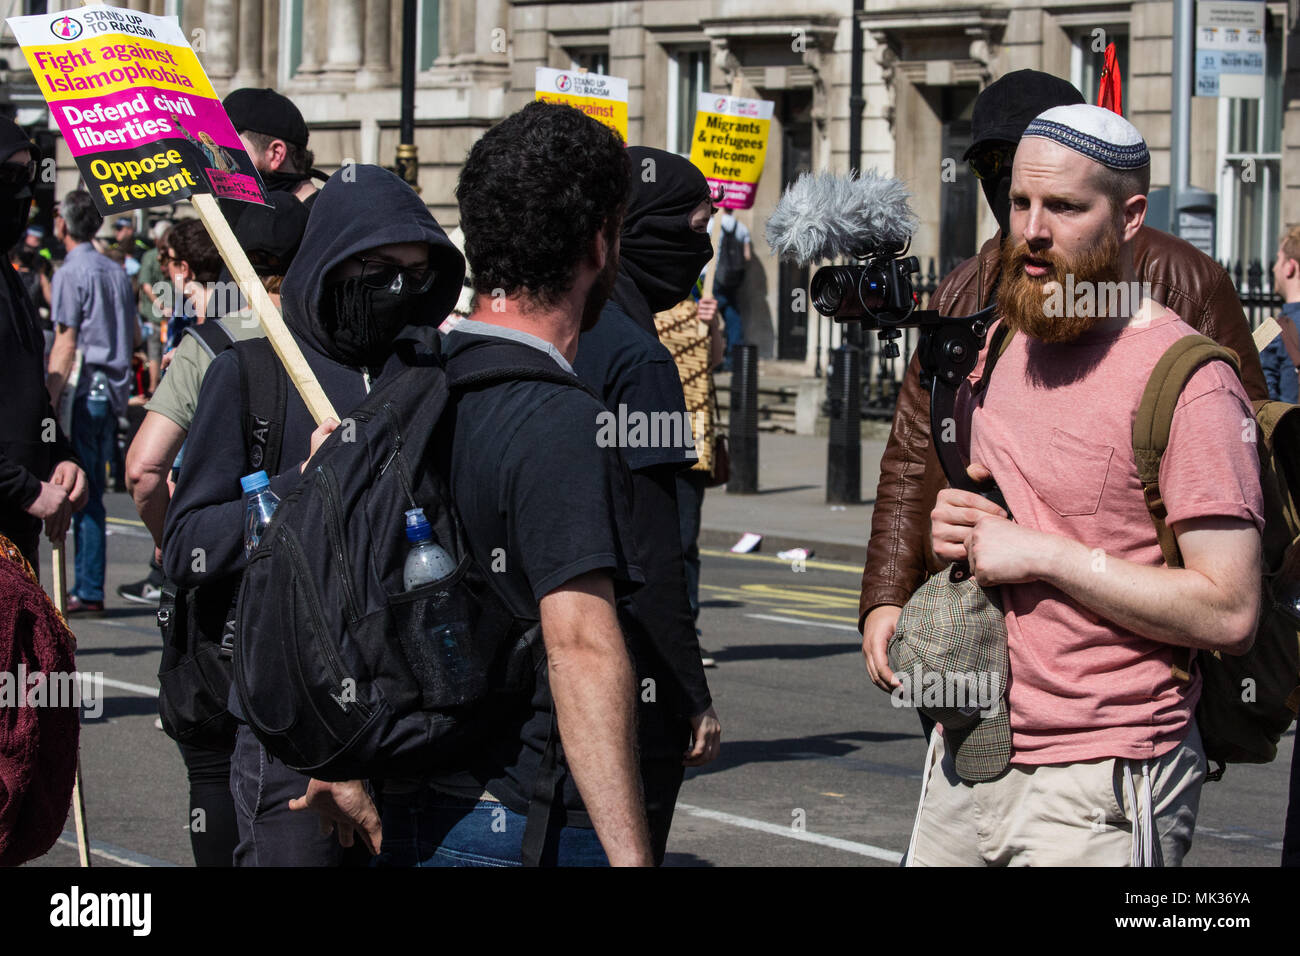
{"x": 998, "y": 344}
{"x": 1155, "y": 418}
{"x": 508, "y": 362}
{"x": 263, "y": 397}
{"x": 213, "y": 337}
{"x": 1151, "y": 427}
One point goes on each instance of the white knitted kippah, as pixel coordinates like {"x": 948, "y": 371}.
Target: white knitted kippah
{"x": 1103, "y": 136}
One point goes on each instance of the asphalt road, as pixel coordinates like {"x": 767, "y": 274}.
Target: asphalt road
{"x": 817, "y": 767}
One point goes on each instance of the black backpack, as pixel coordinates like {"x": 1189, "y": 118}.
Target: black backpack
{"x": 198, "y": 623}
{"x": 334, "y": 666}
{"x": 730, "y": 271}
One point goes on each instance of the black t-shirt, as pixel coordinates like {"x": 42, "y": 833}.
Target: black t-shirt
{"x": 629, "y": 367}
{"x": 529, "y": 477}
{"x": 637, "y": 378}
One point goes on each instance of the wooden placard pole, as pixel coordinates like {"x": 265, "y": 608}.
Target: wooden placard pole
{"x": 59, "y": 585}
{"x": 264, "y": 310}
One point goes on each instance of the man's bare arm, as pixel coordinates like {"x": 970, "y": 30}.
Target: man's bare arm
{"x": 62, "y": 354}
{"x": 1211, "y": 603}
{"x": 148, "y": 461}
{"x": 595, "y": 702}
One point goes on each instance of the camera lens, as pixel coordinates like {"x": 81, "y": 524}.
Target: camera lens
{"x": 833, "y": 290}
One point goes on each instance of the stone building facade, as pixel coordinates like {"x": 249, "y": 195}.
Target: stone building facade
{"x": 924, "y": 61}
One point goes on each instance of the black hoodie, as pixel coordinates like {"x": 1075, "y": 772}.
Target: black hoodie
{"x": 361, "y": 207}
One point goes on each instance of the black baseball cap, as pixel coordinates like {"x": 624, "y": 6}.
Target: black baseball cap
{"x": 1010, "y": 103}
{"x": 272, "y": 114}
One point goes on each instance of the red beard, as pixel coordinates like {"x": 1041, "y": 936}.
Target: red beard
{"x": 1023, "y": 299}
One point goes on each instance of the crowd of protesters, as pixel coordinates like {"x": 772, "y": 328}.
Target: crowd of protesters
{"x": 595, "y": 536}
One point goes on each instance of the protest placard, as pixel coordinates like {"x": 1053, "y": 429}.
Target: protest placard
{"x": 601, "y": 97}
{"x": 146, "y": 129}
{"x": 136, "y": 109}
{"x": 729, "y": 145}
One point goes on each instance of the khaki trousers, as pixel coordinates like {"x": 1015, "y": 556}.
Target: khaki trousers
{"x": 1098, "y": 813}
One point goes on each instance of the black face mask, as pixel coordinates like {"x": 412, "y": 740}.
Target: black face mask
{"x": 997, "y": 192}
{"x": 362, "y": 322}
{"x": 14, "y": 211}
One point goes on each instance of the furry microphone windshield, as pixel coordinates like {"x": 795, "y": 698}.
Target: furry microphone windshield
{"x": 825, "y": 216}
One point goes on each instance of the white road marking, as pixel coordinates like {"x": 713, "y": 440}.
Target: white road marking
{"x": 798, "y": 620}
{"x": 848, "y": 846}
{"x": 123, "y": 685}
{"x": 115, "y": 853}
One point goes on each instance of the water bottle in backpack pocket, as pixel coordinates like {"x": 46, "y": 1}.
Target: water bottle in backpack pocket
{"x": 431, "y": 620}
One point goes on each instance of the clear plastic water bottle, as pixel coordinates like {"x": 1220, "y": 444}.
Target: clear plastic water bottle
{"x": 260, "y": 503}
{"x": 428, "y": 562}
{"x": 98, "y": 393}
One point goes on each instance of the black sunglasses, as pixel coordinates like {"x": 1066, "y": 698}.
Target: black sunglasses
{"x": 18, "y": 174}
{"x": 989, "y": 162}
{"x": 380, "y": 274}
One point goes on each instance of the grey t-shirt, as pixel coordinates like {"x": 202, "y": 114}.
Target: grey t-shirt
{"x": 92, "y": 294}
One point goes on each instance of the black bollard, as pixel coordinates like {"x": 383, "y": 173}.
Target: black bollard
{"x": 742, "y": 435}
{"x": 844, "y": 451}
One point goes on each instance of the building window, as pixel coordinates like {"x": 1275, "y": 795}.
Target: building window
{"x": 593, "y": 61}
{"x": 290, "y": 39}
{"x": 35, "y": 8}
{"x": 688, "y": 76}
{"x": 427, "y": 40}
{"x": 1250, "y": 167}
{"x": 1086, "y": 63}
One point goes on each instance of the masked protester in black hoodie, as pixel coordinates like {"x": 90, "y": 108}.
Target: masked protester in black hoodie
{"x": 663, "y": 247}
{"x": 40, "y": 480}
{"x": 372, "y": 263}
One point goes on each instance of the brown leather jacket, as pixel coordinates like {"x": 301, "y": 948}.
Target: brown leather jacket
{"x": 899, "y": 557}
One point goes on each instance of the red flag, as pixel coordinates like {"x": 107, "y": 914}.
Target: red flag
{"x": 1109, "y": 94}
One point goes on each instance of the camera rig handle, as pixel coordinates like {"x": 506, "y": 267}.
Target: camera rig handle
{"x": 947, "y": 350}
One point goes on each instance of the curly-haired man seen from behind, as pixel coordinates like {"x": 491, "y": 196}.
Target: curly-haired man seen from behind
{"x": 542, "y": 197}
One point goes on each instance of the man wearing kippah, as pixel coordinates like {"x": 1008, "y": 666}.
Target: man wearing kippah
{"x": 1106, "y": 760}
{"x": 275, "y": 134}
{"x": 1182, "y": 277}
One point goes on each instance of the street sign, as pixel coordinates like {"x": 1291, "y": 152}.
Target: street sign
{"x": 1230, "y": 48}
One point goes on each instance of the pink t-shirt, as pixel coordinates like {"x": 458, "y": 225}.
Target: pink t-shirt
{"x": 1055, "y": 428}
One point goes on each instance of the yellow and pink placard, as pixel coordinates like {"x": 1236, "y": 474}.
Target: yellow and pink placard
{"x": 135, "y": 107}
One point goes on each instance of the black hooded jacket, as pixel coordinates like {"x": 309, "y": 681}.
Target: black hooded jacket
{"x": 25, "y": 458}
{"x": 370, "y": 207}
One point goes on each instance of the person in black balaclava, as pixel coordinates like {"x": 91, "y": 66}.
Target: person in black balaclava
{"x": 663, "y": 247}
{"x": 40, "y": 479}
{"x": 372, "y": 262}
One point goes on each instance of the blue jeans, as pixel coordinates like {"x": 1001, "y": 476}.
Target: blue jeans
{"x": 733, "y": 325}
{"x": 428, "y": 828}
{"x": 94, "y": 428}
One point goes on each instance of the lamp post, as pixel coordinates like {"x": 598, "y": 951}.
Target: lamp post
{"x": 408, "y": 159}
